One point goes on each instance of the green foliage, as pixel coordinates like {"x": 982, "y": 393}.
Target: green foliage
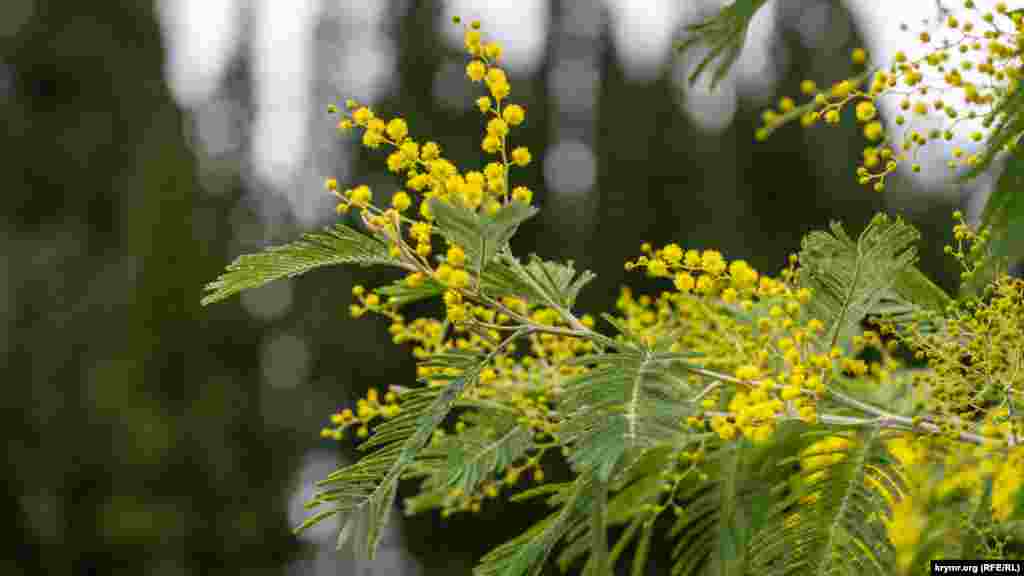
{"x": 526, "y": 553}
{"x": 1003, "y": 216}
{"x": 832, "y": 522}
{"x": 539, "y": 281}
{"x": 492, "y": 440}
{"x": 724, "y": 35}
{"x": 551, "y": 283}
{"x": 850, "y": 278}
{"x": 365, "y": 491}
{"x": 740, "y": 508}
{"x": 647, "y": 425}
{"x": 481, "y": 236}
{"x": 399, "y": 293}
{"x": 629, "y": 403}
{"x": 338, "y": 245}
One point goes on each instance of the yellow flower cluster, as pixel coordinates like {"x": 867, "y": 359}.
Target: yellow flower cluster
{"x": 978, "y": 62}
{"x": 367, "y": 410}
{"x": 407, "y": 223}
{"x": 1007, "y": 484}
{"x": 905, "y": 528}
{"x": 703, "y": 272}
{"x": 975, "y": 362}
{"x": 745, "y": 324}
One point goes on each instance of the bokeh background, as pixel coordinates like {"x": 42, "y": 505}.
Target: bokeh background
{"x": 147, "y": 144}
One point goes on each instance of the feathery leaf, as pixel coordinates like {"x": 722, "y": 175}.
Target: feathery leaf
{"x": 526, "y": 553}
{"x": 724, "y": 35}
{"x": 849, "y": 278}
{"x": 400, "y": 293}
{"x": 630, "y": 401}
{"x": 829, "y": 519}
{"x": 479, "y": 235}
{"x": 338, "y": 245}
{"x": 365, "y": 490}
{"x": 491, "y": 441}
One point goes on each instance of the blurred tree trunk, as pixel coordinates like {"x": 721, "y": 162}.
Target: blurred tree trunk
{"x": 135, "y": 443}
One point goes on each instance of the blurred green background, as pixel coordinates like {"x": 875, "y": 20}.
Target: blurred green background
{"x": 148, "y": 435}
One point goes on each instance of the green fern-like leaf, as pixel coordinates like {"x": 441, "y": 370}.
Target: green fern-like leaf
{"x": 338, "y": 245}
{"x": 828, "y": 518}
{"x": 480, "y": 236}
{"x": 365, "y": 491}
{"x": 552, "y": 283}
{"x": 631, "y": 401}
{"x": 724, "y": 35}
{"x": 526, "y": 553}
{"x": 492, "y": 440}
{"x": 539, "y": 282}
{"x": 399, "y": 293}
{"x": 848, "y": 278}
{"x": 639, "y": 485}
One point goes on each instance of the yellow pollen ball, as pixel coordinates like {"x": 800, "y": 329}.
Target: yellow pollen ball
{"x": 521, "y": 156}
{"x": 491, "y": 144}
{"x": 456, "y": 256}
{"x": 842, "y": 89}
{"x": 522, "y": 194}
{"x": 497, "y": 127}
{"x": 684, "y": 282}
{"x": 476, "y": 70}
{"x": 397, "y": 129}
{"x": 865, "y": 111}
{"x": 514, "y": 114}
{"x": 873, "y": 131}
{"x": 401, "y": 201}
{"x": 492, "y": 51}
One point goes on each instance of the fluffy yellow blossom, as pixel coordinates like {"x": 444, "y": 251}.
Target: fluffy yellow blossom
{"x": 521, "y": 156}
{"x": 497, "y": 127}
{"x": 430, "y": 151}
{"x": 492, "y": 51}
{"x": 672, "y": 254}
{"x": 1006, "y": 485}
{"x": 476, "y": 70}
{"x": 873, "y": 131}
{"x": 397, "y": 129}
{"x": 491, "y": 144}
{"x": 361, "y": 195}
{"x": 456, "y": 256}
{"x": 362, "y": 115}
{"x": 401, "y": 201}
{"x": 865, "y": 111}
{"x": 684, "y": 281}
{"x": 472, "y": 41}
{"x": 522, "y": 194}
{"x": 712, "y": 262}
{"x": 842, "y": 89}
{"x": 513, "y": 114}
